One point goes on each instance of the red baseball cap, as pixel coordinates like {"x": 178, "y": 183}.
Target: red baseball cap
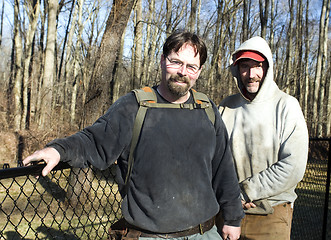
{"x": 254, "y": 55}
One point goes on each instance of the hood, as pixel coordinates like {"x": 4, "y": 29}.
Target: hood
{"x": 260, "y": 45}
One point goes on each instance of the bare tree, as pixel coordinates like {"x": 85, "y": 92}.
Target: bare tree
{"x": 98, "y": 95}
{"x": 245, "y": 19}
{"x": 76, "y": 63}
{"x": 138, "y": 39}
{"x": 33, "y": 13}
{"x": 306, "y": 81}
{"x": 68, "y": 64}
{"x": 168, "y": 17}
{"x": 298, "y": 52}
{"x": 1, "y": 17}
{"x": 287, "y": 73}
{"x": 17, "y": 88}
{"x": 218, "y": 41}
{"x": 264, "y": 15}
{"x": 152, "y": 53}
{"x": 118, "y": 78}
{"x": 272, "y": 21}
{"x": 320, "y": 68}
{"x": 147, "y": 59}
{"x": 193, "y": 15}
{"x": 328, "y": 101}
{"x": 49, "y": 67}
{"x": 198, "y": 17}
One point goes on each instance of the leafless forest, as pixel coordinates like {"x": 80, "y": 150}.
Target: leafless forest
{"x": 64, "y": 62}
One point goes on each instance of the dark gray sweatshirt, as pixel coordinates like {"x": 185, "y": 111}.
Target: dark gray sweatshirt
{"x": 183, "y": 172}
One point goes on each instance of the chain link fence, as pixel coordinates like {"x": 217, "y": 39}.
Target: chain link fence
{"x": 312, "y": 209}
{"x": 82, "y": 203}
{"x": 69, "y": 204}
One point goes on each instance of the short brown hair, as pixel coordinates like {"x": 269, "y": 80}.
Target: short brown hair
{"x": 176, "y": 40}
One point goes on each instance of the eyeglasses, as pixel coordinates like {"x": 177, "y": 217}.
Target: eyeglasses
{"x": 176, "y": 64}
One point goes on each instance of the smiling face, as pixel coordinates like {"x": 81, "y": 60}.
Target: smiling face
{"x": 252, "y": 74}
{"x": 180, "y": 70}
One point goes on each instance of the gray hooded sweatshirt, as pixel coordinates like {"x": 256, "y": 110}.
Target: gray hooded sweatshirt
{"x": 268, "y": 137}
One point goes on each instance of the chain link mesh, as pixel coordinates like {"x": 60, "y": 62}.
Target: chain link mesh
{"x": 309, "y": 208}
{"x": 69, "y": 204}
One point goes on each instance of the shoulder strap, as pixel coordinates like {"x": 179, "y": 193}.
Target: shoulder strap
{"x": 202, "y": 99}
{"x": 144, "y": 95}
{"x": 146, "y": 98}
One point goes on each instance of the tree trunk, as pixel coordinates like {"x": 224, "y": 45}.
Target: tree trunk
{"x": 168, "y": 17}
{"x": 66, "y": 49}
{"x": 193, "y": 15}
{"x": 298, "y": 53}
{"x": 321, "y": 59}
{"x": 216, "y": 48}
{"x": 118, "y": 78}
{"x": 321, "y": 67}
{"x": 264, "y": 15}
{"x": 33, "y": 19}
{"x": 232, "y": 36}
{"x": 328, "y": 101}
{"x": 49, "y": 67}
{"x": 138, "y": 41}
{"x": 306, "y": 81}
{"x": 98, "y": 96}
{"x": 2, "y": 14}
{"x": 76, "y": 63}
{"x": 287, "y": 74}
{"x": 245, "y": 24}
{"x": 36, "y": 85}
{"x": 198, "y": 18}
{"x": 272, "y": 20}
{"x": 17, "y": 89}
{"x": 153, "y": 57}
{"x": 147, "y": 43}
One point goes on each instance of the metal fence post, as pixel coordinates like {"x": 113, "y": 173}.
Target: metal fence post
{"x": 327, "y": 193}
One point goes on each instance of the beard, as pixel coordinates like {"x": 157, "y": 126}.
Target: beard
{"x": 178, "y": 90}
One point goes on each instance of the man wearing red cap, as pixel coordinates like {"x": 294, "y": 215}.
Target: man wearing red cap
{"x": 268, "y": 140}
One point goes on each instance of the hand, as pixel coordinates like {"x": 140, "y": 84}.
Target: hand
{"x": 50, "y": 155}
{"x": 230, "y": 232}
{"x": 247, "y": 205}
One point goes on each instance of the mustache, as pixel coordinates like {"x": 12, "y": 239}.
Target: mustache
{"x": 176, "y": 78}
{"x": 254, "y": 80}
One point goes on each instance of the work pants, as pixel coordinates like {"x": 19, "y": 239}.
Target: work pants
{"x": 274, "y": 226}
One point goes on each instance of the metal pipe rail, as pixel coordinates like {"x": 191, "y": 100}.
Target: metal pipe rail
{"x": 34, "y": 169}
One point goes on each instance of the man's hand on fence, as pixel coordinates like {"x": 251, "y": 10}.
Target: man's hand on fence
{"x": 50, "y": 155}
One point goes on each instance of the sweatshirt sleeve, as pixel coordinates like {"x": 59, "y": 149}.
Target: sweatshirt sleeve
{"x": 102, "y": 143}
{"x": 225, "y": 181}
{"x": 285, "y": 173}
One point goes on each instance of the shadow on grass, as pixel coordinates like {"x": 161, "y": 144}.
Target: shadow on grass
{"x": 11, "y": 235}
{"x": 52, "y": 233}
{"x": 49, "y": 233}
{"x": 53, "y": 188}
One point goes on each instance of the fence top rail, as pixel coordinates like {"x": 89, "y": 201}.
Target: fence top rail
{"x": 29, "y": 170}
{"x": 319, "y": 139}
